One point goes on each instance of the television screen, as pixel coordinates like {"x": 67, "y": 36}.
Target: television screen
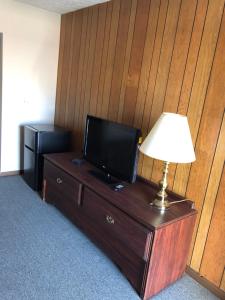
{"x": 112, "y": 147}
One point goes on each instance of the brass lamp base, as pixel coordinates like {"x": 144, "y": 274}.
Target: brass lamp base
{"x": 160, "y": 201}
{"x": 162, "y": 205}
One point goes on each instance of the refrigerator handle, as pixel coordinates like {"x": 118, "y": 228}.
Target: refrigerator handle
{"x": 29, "y": 148}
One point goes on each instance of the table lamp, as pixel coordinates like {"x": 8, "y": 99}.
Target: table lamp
{"x": 169, "y": 141}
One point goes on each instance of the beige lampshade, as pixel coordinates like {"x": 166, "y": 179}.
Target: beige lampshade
{"x": 170, "y": 140}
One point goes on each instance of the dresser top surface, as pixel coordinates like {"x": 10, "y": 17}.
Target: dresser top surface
{"x": 134, "y": 199}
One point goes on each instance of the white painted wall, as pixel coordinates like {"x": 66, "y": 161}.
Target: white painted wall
{"x": 30, "y": 58}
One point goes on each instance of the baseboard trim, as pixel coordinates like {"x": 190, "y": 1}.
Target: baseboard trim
{"x": 11, "y": 173}
{"x": 206, "y": 283}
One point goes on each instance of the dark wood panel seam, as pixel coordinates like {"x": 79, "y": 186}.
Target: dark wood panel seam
{"x": 187, "y": 56}
{"x": 110, "y": 27}
{"x": 100, "y": 66}
{"x": 75, "y": 95}
{"x": 125, "y": 42}
{"x": 203, "y": 29}
{"x": 145, "y": 101}
{"x": 184, "y": 77}
{"x": 113, "y": 60}
{"x": 159, "y": 55}
{"x": 63, "y": 103}
{"x": 132, "y": 122}
{"x": 84, "y": 70}
{"x": 105, "y": 47}
{"x": 142, "y": 61}
{"x": 155, "y": 79}
{"x": 171, "y": 58}
{"x": 88, "y": 79}
{"x": 110, "y": 90}
{"x": 71, "y": 54}
{"x": 81, "y": 66}
{"x": 221, "y": 280}
{"x": 94, "y": 50}
{"x": 129, "y": 54}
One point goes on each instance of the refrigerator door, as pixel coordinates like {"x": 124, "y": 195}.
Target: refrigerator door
{"x": 30, "y": 167}
{"x": 30, "y": 137}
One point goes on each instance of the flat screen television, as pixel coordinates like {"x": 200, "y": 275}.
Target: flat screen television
{"x": 112, "y": 147}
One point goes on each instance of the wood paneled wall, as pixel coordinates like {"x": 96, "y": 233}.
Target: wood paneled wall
{"x": 129, "y": 60}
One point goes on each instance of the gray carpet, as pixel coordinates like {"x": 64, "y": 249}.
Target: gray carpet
{"x": 43, "y": 256}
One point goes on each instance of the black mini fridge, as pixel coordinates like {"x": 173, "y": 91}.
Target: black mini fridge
{"x": 39, "y": 140}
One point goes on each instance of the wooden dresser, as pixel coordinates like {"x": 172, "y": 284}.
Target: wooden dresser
{"x": 149, "y": 247}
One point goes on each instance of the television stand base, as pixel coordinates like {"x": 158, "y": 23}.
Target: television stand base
{"x": 104, "y": 177}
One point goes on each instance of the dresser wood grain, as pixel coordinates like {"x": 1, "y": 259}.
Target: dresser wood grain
{"x": 149, "y": 247}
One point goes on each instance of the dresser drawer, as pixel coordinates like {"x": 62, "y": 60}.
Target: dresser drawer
{"x": 132, "y": 266}
{"x": 60, "y": 187}
{"x": 125, "y": 233}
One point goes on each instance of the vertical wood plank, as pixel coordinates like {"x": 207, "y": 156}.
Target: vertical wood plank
{"x": 137, "y": 50}
{"x": 193, "y": 52}
{"x": 78, "y": 91}
{"x": 60, "y": 64}
{"x": 65, "y": 67}
{"x": 104, "y": 58}
{"x": 163, "y": 71}
{"x": 127, "y": 59}
{"x": 89, "y": 13}
{"x": 211, "y": 192}
{"x": 165, "y": 59}
{"x": 146, "y": 163}
{"x": 110, "y": 58}
{"x": 97, "y": 59}
{"x": 72, "y": 82}
{"x": 90, "y": 64}
{"x": 146, "y": 62}
{"x": 68, "y": 80}
{"x": 214, "y": 255}
{"x": 120, "y": 51}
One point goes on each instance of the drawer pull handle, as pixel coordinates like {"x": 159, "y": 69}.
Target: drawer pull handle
{"x": 59, "y": 180}
{"x": 110, "y": 220}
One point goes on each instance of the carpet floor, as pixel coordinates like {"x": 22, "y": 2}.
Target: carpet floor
{"x": 44, "y": 257}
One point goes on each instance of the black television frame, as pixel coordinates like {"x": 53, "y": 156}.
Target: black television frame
{"x": 108, "y": 173}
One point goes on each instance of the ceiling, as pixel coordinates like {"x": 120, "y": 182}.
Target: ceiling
{"x": 62, "y": 6}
